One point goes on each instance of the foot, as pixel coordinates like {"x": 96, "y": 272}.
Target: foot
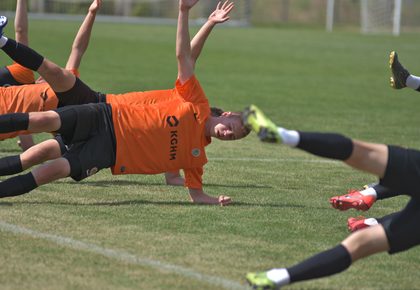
{"x": 353, "y": 199}
{"x": 260, "y": 281}
{"x": 3, "y": 23}
{"x": 255, "y": 119}
{"x": 360, "y": 222}
{"x": 399, "y": 73}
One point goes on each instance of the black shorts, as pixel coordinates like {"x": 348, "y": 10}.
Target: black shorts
{"x": 402, "y": 173}
{"x": 79, "y": 94}
{"x": 63, "y": 147}
{"x": 6, "y": 78}
{"x": 403, "y": 228}
{"x": 88, "y": 132}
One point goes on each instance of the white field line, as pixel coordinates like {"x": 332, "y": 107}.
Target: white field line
{"x": 122, "y": 256}
{"x": 328, "y": 161}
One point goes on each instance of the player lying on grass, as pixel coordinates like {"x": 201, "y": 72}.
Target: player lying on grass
{"x": 30, "y": 100}
{"x": 398, "y": 169}
{"x": 15, "y": 74}
{"x": 128, "y": 137}
{"x": 364, "y": 199}
{"x": 39, "y": 96}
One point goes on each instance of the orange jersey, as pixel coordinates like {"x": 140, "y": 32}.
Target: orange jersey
{"x": 142, "y": 98}
{"x": 25, "y": 99}
{"x": 162, "y": 135}
{"x": 21, "y": 74}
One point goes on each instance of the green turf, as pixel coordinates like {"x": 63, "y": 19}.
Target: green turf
{"x": 303, "y": 79}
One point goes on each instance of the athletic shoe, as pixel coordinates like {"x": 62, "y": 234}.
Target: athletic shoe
{"x": 260, "y": 281}
{"x": 3, "y": 23}
{"x": 399, "y": 73}
{"x": 255, "y": 119}
{"x": 360, "y": 222}
{"x": 353, "y": 199}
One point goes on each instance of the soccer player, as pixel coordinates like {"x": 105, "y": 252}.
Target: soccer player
{"x": 15, "y": 74}
{"x": 398, "y": 169}
{"x": 129, "y": 138}
{"x": 400, "y": 77}
{"x": 30, "y": 95}
{"x": 39, "y": 96}
{"x": 364, "y": 199}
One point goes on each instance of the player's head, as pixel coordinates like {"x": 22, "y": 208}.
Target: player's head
{"x": 227, "y": 126}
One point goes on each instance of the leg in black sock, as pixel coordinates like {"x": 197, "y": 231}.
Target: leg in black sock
{"x": 323, "y": 264}
{"x": 10, "y": 165}
{"x": 17, "y": 185}
{"x": 330, "y": 145}
{"x": 23, "y": 55}
{"x": 14, "y": 122}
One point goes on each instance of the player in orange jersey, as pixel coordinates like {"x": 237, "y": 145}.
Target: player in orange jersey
{"x": 40, "y": 96}
{"x": 15, "y": 74}
{"x": 134, "y": 137}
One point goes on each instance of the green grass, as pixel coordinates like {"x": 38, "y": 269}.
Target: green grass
{"x": 303, "y": 79}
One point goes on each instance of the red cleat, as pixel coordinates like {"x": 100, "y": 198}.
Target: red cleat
{"x": 353, "y": 199}
{"x": 360, "y": 222}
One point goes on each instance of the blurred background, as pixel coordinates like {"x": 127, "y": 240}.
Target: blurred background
{"x": 366, "y": 15}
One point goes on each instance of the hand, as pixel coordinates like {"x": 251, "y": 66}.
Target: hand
{"x": 94, "y": 7}
{"x": 224, "y": 200}
{"x": 186, "y": 4}
{"x": 198, "y": 196}
{"x": 221, "y": 13}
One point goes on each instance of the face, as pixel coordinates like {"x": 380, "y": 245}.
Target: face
{"x": 229, "y": 127}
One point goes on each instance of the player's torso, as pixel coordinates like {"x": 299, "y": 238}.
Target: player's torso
{"x": 157, "y": 138}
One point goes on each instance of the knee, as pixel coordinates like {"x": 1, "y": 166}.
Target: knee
{"x": 44, "y": 122}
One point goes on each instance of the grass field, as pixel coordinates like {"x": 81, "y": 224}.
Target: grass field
{"x": 133, "y": 232}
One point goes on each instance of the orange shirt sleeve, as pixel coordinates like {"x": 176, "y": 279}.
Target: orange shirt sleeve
{"x": 21, "y": 74}
{"x": 191, "y": 90}
{"x": 193, "y": 178}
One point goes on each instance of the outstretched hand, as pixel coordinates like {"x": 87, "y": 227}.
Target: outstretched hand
{"x": 94, "y": 7}
{"x": 221, "y": 13}
{"x": 186, "y": 4}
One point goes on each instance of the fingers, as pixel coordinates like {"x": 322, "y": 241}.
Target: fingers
{"x": 224, "y": 200}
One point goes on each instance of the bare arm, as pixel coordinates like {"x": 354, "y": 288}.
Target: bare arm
{"x": 183, "y": 48}
{"x": 81, "y": 41}
{"x": 199, "y": 196}
{"x": 21, "y": 22}
{"x": 220, "y": 15}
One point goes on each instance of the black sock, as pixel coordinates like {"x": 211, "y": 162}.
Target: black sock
{"x": 328, "y": 145}
{"x": 23, "y": 55}
{"x": 14, "y": 122}
{"x": 17, "y": 185}
{"x": 10, "y": 165}
{"x": 383, "y": 192}
{"x": 323, "y": 264}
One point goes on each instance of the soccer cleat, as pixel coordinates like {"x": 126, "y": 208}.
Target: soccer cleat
{"x": 353, "y": 199}
{"x": 260, "y": 281}
{"x": 255, "y": 119}
{"x": 399, "y": 73}
{"x": 360, "y": 222}
{"x": 3, "y": 23}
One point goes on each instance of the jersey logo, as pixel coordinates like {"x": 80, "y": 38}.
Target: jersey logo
{"x": 172, "y": 121}
{"x": 196, "y": 152}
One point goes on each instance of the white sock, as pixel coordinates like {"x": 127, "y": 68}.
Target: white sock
{"x": 413, "y": 82}
{"x": 369, "y": 191}
{"x": 289, "y": 137}
{"x": 371, "y": 222}
{"x": 3, "y": 41}
{"x": 279, "y": 276}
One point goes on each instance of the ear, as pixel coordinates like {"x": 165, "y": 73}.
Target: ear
{"x": 226, "y": 114}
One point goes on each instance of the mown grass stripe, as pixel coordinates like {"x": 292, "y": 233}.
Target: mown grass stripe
{"x": 122, "y": 256}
